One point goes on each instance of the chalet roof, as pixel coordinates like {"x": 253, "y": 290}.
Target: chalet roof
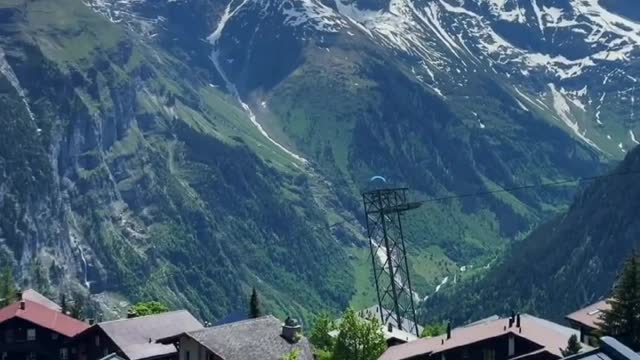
{"x": 550, "y": 336}
{"x": 136, "y": 337}
{"x": 35, "y": 296}
{"x": 610, "y": 349}
{"x": 43, "y": 316}
{"x": 113, "y": 356}
{"x": 590, "y": 315}
{"x": 250, "y": 339}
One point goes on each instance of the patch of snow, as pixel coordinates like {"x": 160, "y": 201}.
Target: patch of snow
{"x": 214, "y": 39}
{"x": 563, "y": 110}
{"x": 7, "y": 71}
{"x": 313, "y": 13}
{"x": 536, "y": 10}
{"x": 526, "y": 97}
{"x": 442, "y": 283}
{"x": 521, "y": 105}
{"x": 633, "y": 137}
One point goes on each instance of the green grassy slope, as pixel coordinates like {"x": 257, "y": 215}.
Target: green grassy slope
{"x": 158, "y": 179}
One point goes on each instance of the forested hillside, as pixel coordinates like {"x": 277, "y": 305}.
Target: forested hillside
{"x": 567, "y": 263}
{"x": 187, "y": 151}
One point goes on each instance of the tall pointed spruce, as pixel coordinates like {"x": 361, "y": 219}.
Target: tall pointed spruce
{"x": 622, "y": 321}
{"x": 8, "y": 291}
{"x": 255, "y": 308}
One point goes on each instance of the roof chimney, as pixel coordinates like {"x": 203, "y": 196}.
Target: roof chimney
{"x": 518, "y": 320}
{"x": 448, "y": 330}
{"x": 291, "y": 330}
{"x": 389, "y": 327}
{"x": 23, "y": 305}
{"x": 510, "y": 322}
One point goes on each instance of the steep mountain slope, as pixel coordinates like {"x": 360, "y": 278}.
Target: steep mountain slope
{"x": 398, "y": 101}
{"x": 190, "y": 149}
{"x": 124, "y": 170}
{"x": 566, "y": 263}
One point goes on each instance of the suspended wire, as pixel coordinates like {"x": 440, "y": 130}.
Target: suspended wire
{"x": 531, "y": 186}
{"x": 575, "y": 181}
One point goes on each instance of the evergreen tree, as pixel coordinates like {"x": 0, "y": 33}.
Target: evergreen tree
{"x": 573, "y": 347}
{"x": 8, "y": 291}
{"x": 622, "y": 321}
{"x": 320, "y": 337}
{"x": 64, "y": 307}
{"x": 358, "y": 339}
{"x": 255, "y": 308}
{"x": 40, "y": 279}
{"x": 78, "y": 307}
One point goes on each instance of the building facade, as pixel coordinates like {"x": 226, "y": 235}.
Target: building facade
{"x": 31, "y": 331}
{"x": 521, "y": 337}
{"x": 134, "y": 338}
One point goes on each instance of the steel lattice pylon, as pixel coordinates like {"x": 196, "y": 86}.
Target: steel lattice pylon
{"x": 383, "y": 209}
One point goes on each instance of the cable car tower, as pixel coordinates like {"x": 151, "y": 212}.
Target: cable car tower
{"x": 383, "y": 209}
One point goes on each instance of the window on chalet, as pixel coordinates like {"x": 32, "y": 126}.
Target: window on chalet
{"x": 31, "y": 356}
{"x": 97, "y": 340}
{"x": 64, "y": 354}
{"x": 8, "y": 336}
{"x": 31, "y": 334}
{"x": 54, "y": 336}
{"x": 489, "y": 354}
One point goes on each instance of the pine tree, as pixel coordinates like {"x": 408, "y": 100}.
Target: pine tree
{"x": 64, "y": 307}
{"x": 255, "y": 308}
{"x": 8, "y": 291}
{"x": 573, "y": 347}
{"x": 622, "y": 321}
{"x": 78, "y": 307}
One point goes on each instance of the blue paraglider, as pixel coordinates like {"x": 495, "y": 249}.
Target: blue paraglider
{"x": 377, "y": 177}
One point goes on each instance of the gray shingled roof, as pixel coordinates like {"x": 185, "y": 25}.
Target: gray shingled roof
{"x": 137, "y": 337}
{"x": 610, "y": 349}
{"x": 251, "y": 339}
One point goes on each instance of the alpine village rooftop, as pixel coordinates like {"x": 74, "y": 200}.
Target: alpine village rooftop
{"x": 34, "y": 328}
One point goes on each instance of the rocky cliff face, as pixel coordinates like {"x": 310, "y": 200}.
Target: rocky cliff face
{"x": 122, "y": 177}
{"x": 189, "y": 150}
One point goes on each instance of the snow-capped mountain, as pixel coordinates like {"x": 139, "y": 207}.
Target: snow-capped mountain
{"x": 173, "y": 132}
{"x": 570, "y": 60}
